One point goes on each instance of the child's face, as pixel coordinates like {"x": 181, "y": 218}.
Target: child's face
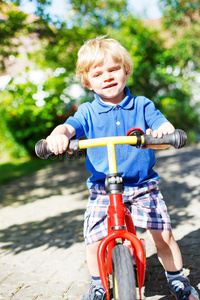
{"x": 108, "y": 80}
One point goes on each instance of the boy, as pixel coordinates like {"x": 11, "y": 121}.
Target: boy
{"x": 104, "y": 66}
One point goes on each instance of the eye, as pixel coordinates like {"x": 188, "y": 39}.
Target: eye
{"x": 96, "y": 75}
{"x": 115, "y": 69}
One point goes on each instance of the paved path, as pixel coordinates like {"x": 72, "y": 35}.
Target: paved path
{"x": 42, "y": 253}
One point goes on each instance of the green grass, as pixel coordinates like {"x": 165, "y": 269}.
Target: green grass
{"x": 19, "y": 167}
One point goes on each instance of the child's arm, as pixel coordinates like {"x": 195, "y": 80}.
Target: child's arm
{"x": 59, "y": 138}
{"x": 164, "y": 129}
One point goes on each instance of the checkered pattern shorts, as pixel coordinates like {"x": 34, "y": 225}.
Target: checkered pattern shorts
{"x": 145, "y": 202}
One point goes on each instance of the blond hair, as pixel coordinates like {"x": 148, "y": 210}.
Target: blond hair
{"x": 92, "y": 53}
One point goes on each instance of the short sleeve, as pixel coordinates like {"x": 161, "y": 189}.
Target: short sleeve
{"x": 79, "y": 121}
{"x": 153, "y": 117}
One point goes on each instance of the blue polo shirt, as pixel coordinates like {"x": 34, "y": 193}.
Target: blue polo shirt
{"x": 98, "y": 119}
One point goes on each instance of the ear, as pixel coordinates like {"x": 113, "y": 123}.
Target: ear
{"x": 88, "y": 86}
{"x": 127, "y": 76}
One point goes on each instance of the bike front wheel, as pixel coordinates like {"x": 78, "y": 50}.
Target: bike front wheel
{"x": 124, "y": 286}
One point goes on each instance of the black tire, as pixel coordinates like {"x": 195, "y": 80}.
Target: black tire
{"x": 124, "y": 287}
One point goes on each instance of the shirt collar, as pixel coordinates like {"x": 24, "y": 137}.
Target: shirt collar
{"x": 126, "y": 103}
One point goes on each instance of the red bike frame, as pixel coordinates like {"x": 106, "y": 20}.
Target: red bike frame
{"x": 119, "y": 217}
{"x": 120, "y": 224}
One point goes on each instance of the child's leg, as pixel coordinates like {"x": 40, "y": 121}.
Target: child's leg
{"x": 96, "y": 290}
{"x": 167, "y": 249}
{"x": 170, "y": 256}
{"x": 91, "y": 256}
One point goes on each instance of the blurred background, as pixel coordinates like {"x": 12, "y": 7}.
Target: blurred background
{"x": 39, "y": 40}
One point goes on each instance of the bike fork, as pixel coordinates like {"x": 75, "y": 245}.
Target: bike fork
{"x": 138, "y": 255}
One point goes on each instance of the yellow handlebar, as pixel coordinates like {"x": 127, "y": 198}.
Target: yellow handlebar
{"x": 110, "y": 142}
{"x": 178, "y": 139}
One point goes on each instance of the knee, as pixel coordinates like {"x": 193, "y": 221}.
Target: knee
{"x": 161, "y": 239}
{"x": 92, "y": 248}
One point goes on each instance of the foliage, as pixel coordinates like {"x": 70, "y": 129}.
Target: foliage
{"x": 12, "y": 25}
{"x": 8, "y": 145}
{"x": 180, "y": 13}
{"x": 40, "y": 7}
{"x": 168, "y": 76}
{"x": 31, "y": 112}
{"x": 182, "y": 20}
{"x": 99, "y": 15}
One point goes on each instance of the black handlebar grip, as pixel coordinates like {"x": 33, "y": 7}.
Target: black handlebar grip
{"x": 42, "y": 149}
{"x": 177, "y": 139}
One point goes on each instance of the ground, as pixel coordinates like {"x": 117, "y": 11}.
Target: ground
{"x": 42, "y": 252}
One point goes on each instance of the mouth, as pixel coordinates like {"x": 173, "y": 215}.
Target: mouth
{"x": 110, "y": 86}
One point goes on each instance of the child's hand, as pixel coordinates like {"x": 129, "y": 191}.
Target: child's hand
{"x": 57, "y": 143}
{"x": 164, "y": 129}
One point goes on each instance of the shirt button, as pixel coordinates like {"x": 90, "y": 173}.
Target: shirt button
{"x": 118, "y": 123}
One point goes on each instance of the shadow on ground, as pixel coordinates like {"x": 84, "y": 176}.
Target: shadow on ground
{"x": 179, "y": 182}
{"x": 53, "y": 180}
{"x": 156, "y": 284}
{"x": 179, "y": 175}
{"x": 60, "y": 231}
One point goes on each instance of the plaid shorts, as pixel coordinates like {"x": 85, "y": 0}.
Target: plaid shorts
{"x": 145, "y": 202}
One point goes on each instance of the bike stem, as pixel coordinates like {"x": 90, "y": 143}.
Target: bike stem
{"x": 112, "y": 158}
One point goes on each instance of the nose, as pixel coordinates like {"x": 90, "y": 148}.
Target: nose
{"x": 108, "y": 77}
